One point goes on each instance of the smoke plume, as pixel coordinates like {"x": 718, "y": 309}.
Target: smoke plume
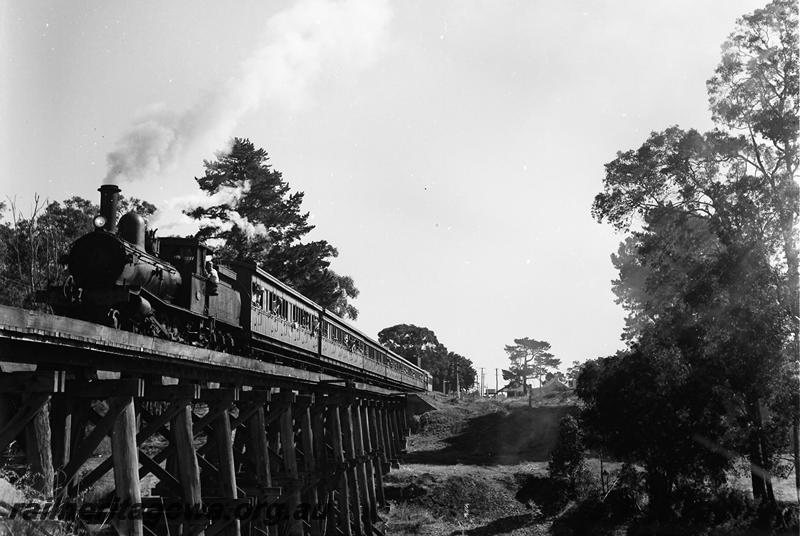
{"x": 304, "y": 41}
{"x": 170, "y": 218}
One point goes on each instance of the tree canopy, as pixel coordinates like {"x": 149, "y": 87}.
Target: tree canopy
{"x": 31, "y": 245}
{"x": 708, "y": 344}
{"x": 574, "y": 371}
{"x": 257, "y": 217}
{"x": 708, "y": 276}
{"x": 421, "y": 346}
{"x": 529, "y": 359}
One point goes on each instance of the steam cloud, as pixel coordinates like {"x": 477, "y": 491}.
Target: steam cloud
{"x": 304, "y": 40}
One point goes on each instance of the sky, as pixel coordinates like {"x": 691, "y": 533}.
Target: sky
{"x": 450, "y": 150}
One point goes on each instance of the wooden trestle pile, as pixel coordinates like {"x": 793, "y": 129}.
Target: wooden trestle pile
{"x": 227, "y": 460}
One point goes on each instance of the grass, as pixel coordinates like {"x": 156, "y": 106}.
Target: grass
{"x": 435, "y": 500}
{"x": 409, "y": 519}
{"x": 15, "y": 489}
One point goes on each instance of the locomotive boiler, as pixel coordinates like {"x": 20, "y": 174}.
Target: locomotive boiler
{"x": 113, "y": 268}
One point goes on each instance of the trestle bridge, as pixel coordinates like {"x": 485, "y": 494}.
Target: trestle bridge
{"x": 223, "y": 444}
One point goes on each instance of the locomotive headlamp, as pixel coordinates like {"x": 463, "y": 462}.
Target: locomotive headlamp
{"x": 99, "y": 222}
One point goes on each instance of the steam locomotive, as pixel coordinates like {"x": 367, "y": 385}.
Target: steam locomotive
{"x": 123, "y": 276}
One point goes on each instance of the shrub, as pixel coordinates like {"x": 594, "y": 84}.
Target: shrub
{"x": 626, "y": 498}
{"x": 589, "y": 516}
{"x": 567, "y": 459}
{"x": 546, "y": 494}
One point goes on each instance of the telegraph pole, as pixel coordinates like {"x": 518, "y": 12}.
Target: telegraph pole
{"x": 496, "y": 384}
{"x": 481, "y": 381}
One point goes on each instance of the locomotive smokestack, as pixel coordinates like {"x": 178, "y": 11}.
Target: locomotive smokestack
{"x": 109, "y": 203}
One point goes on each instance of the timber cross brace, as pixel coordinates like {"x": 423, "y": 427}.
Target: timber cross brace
{"x": 213, "y": 459}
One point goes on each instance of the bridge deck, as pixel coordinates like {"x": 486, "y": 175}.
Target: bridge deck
{"x": 45, "y": 339}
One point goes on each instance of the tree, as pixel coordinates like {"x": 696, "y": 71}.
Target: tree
{"x": 462, "y": 368}
{"x": 718, "y": 213}
{"x": 258, "y": 219}
{"x": 567, "y": 458}
{"x": 133, "y": 204}
{"x": 754, "y": 91}
{"x": 530, "y": 358}
{"x": 574, "y": 371}
{"x": 644, "y": 407}
{"x": 715, "y": 307}
{"x": 411, "y": 342}
{"x": 703, "y": 214}
{"x": 32, "y": 247}
{"x": 421, "y": 346}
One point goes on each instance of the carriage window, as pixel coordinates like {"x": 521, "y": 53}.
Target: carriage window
{"x": 255, "y": 293}
{"x": 279, "y": 306}
{"x": 258, "y": 296}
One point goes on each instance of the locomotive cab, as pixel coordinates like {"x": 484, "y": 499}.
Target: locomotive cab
{"x": 189, "y": 256}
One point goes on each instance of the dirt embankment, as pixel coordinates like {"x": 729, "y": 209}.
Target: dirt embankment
{"x": 465, "y": 463}
{"x": 502, "y": 435}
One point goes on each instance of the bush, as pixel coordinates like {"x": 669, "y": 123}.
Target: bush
{"x": 548, "y": 495}
{"x": 589, "y": 516}
{"x": 442, "y": 422}
{"x": 567, "y": 459}
{"x": 702, "y": 506}
{"x": 627, "y": 497}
